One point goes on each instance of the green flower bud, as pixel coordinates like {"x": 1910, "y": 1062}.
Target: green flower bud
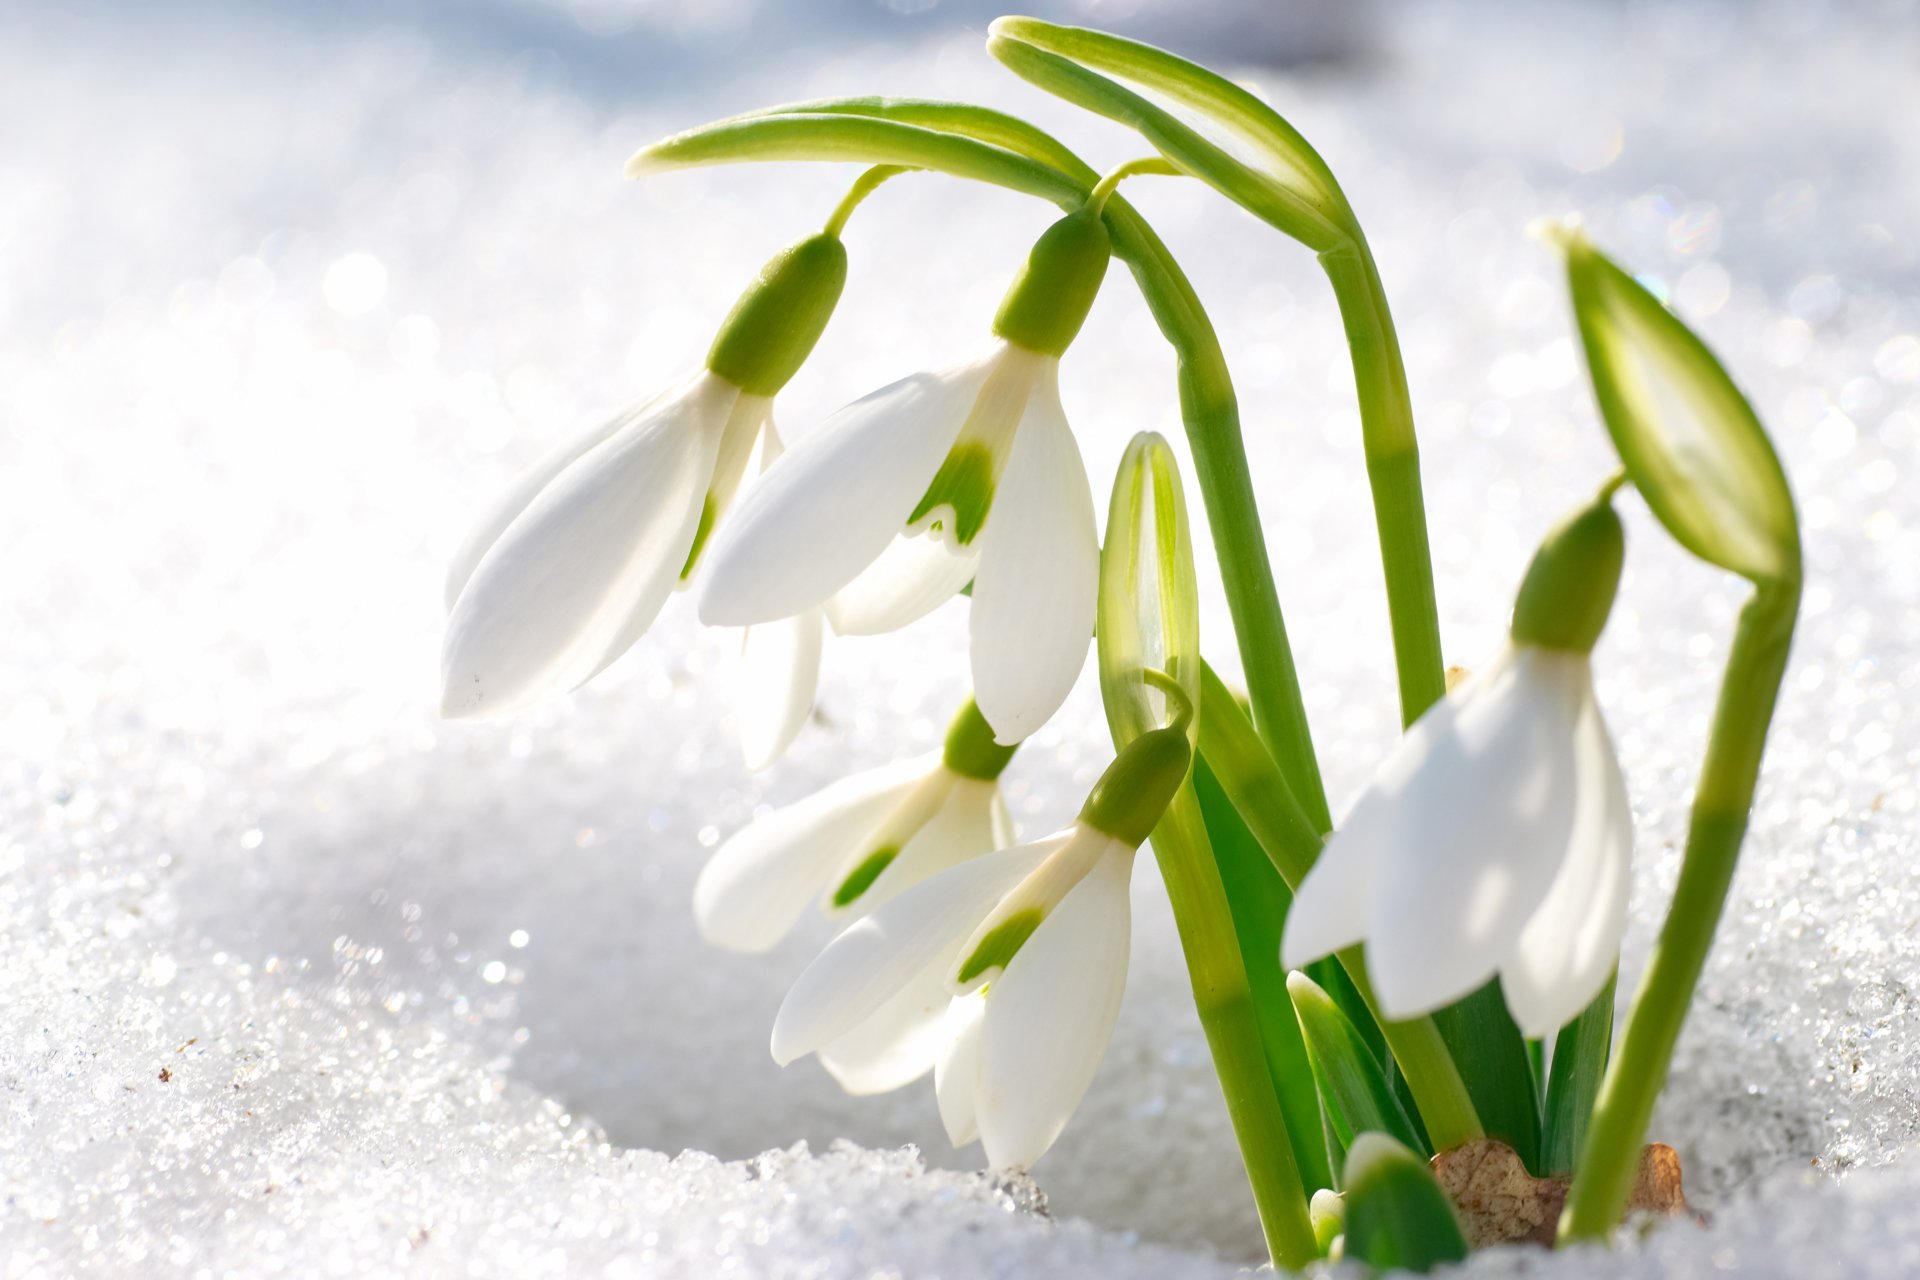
{"x": 1139, "y": 785}
{"x": 1569, "y": 587}
{"x": 1689, "y": 439}
{"x": 1149, "y": 609}
{"x": 773, "y": 327}
{"x": 1046, "y": 306}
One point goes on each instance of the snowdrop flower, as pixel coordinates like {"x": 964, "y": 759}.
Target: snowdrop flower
{"x": 1496, "y": 837}
{"x": 1010, "y": 967}
{"x": 967, "y": 474}
{"x": 570, "y": 566}
{"x": 858, "y": 842}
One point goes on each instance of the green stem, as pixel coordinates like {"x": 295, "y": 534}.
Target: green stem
{"x": 1211, "y": 413}
{"x": 1611, "y": 1155}
{"x": 1393, "y": 472}
{"x": 1267, "y": 805}
{"x": 1097, "y": 198}
{"x": 1231, "y": 1023}
{"x": 862, "y": 187}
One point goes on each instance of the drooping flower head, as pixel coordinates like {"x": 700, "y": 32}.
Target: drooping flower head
{"x": 571, "y": 565}
{"x": 858, "y": 842}
{"x": 1013, "y": 965}
{"x": 1496, "y": 837}
{"x": 970, "y": 474}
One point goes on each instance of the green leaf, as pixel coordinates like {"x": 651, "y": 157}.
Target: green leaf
{"x": 1353, "y": 1085}
{"x": 1492, "y": 1057}
{"x": 1257, "y": 159}
{"x": 1398, "y": 1218}
{"x": 1690, "y": 441}
{"x": 1258, "y": 899}
{"x": 1579, "y": 1061}
{"x": 1149, "y": 610}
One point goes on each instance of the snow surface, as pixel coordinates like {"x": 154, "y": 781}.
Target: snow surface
{"x": 298, "y": 980}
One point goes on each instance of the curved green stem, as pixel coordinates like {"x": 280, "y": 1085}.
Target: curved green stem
{"x": 1393, "y": 473}
{"x": 862, "y": 187}
{"x": 1603, "y": 1179}
{"x": 1294, "y": 191}
{"x": 1097, "y": 198}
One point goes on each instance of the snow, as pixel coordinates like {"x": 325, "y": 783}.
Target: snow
{"x": 297, "y": 979}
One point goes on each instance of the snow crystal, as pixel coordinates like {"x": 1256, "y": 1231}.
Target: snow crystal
{"x": 297, "y": 979}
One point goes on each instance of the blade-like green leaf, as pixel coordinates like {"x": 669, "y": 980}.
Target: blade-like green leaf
{"x": 1573, "y": 1081}
{"x": 1149, "y": 609}
{"x": 1690, "y": 441}
{"x": 1398, "y": 1218}
{"x": 1492, "y": 1057}
{"x": 1258, "y": 901}
{"x": 1353, "y": 1085}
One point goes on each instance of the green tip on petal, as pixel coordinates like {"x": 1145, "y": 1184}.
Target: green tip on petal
{"x": 1048, "y": 303}
{"x": 971, "y": 750}
{"x": 775, "y": 324}
{"x": 1569, "y": 589}
{"x": 1002, "y": 943}
{"x": 1691, "y": 443}
{"x": 861, "y": 878}
{"x": 964, "y": 483}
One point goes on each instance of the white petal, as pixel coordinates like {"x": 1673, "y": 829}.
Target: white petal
{"x": 1329, "y": 912}
{"x": 1480, "y": 832}
{"x": 757, "y": 883}
{"x": 581, "y": 572}
{"x": 1004, "y": 831}
{"x": 915, "y": 575}
{"x": 507, "y": 506}
{"x": 897, "y": 1043}
{"x": 881, "y": 953}
{"x": 1050, "y": 1015}
{"x": 832, "y": 504}
{"x": 1034, "y": 592}
{"x": 962, "y": 828}
{"x": 1572, "y": 942}
{"x": 956, "y": 1072}
{"x": 779, "y": 675}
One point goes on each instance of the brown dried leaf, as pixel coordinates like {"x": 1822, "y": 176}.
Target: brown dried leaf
{"x": 1499, "y": 1202}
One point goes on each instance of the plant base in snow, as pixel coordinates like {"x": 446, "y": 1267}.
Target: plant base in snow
{"x": 1499, "y": 1202}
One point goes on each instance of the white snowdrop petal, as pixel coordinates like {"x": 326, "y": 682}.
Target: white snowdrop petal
{"x": 584, "y": 569}
{"x": 1050, "y": 1015}
{"x": 880, "y": 953}
{"x": 897, "y": 1043}
{"x": 956, "y": 1071}
{"x": 832, "y": 504}
{"x": 757, "y": 883}
{"x": 960, "y": 829}
{"x": 1035, "y": 590}
{"x": 1480, "y": 830}
{"x": 779, "y": 676}
{"x": 1572, "y": 942}
{"x": 507, "y": 506}
{"x": 915, "y": 575}
{"x": 1330, "y": 910}
{"x": 1004, "y": 831}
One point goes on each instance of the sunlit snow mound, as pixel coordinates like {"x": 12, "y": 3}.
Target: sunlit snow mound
{"x": 296, "y": 979}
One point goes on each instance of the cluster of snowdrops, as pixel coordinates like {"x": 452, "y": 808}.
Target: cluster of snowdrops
{"x": 1434, "y": 975}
